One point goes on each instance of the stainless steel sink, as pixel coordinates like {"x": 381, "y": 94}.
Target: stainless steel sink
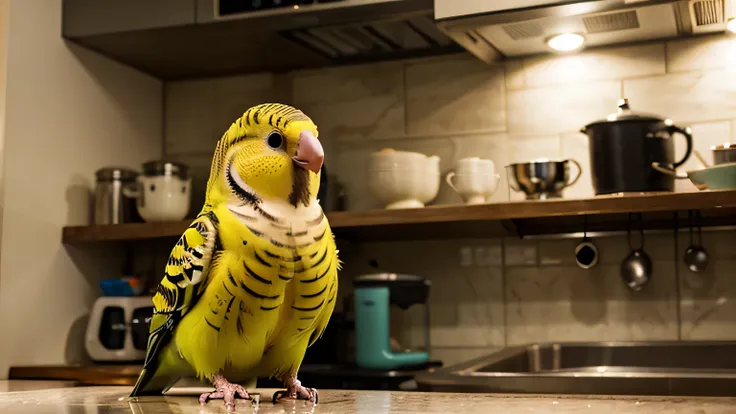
{"x": 616, "y": 368}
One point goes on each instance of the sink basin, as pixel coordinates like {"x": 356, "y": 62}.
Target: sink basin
{"x": 613, "y": 368}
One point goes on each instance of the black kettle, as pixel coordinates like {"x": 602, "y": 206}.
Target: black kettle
{"x": 624, "y": 146}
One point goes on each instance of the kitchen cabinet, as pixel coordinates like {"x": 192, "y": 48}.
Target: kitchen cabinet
{"x": 94, "y": 17}
{"x": 182, "y": 39}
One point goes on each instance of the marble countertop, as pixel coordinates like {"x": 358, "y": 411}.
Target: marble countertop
{"x": 58, "y": 397}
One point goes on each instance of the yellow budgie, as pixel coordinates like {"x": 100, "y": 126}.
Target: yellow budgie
{"x": 253, "y": 281}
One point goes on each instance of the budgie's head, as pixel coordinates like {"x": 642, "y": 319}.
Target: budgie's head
{"x": 271, "y": 152}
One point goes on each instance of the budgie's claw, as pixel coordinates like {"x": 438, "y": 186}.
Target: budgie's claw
{"x": 226, "y": 391}
{"x": 295, "y": 390}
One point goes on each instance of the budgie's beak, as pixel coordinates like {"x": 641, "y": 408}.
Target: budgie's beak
{"x": 309, "y": 152}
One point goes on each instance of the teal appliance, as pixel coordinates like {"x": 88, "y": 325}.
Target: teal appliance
{"x": 374, "y": 296}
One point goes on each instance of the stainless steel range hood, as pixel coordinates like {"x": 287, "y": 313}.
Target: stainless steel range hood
{"x": 505, "y": 28}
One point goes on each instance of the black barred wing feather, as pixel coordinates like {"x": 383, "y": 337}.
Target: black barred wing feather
{"x": 179, "y": 289}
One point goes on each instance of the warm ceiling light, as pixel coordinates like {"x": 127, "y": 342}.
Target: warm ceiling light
{"x": 732, "y": 25}
{"x": 566, "y": 42}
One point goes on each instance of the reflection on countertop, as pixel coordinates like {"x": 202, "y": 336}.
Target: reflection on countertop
{"x": 59, "y": 397}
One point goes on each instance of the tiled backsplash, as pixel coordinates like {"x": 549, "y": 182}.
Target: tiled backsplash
{"x": 488, "y": 294}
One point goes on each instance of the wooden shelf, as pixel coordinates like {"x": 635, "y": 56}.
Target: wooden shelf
{"x": 604, "y": 213}
{"x": 118, "y": 232}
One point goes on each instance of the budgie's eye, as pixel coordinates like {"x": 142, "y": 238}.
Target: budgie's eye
{"x": 274, "y": 140}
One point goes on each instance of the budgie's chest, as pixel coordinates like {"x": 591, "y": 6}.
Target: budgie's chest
{"x": 270, "y": 279}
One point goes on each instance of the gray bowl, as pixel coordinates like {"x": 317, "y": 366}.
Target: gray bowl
{"x": 541, "y": 180}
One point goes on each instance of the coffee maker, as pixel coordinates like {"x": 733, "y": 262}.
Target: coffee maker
{"x": 374, "y": 296}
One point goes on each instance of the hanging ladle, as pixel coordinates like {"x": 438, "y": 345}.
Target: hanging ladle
{"x": 636, "y": 269}
{"x": 696, "y": 257}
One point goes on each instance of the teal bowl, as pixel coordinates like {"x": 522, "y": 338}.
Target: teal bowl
{"x": 717, "y": 177}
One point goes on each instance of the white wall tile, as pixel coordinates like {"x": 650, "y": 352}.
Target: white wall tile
{"x": 567, "y": 303}
{"x": 199, "y": 112}
{"x": 520, "y": 252}
{"x": 480, "y": 255}
{"x": 190, "y": 117}
{"x": 593, "y": 65}
{"x": 347, "y": 83}
{"x": 558, "y": 109}
{"x": 685, "y": 97}
{"x": 454, "y": 95}
{"x": 701, "y": 52}
{"x": 708, "y": 301}
{"x": 530, "y": 148}
{"x": 238, "y": 93}
{"x": 353, "y": 103}
{"x": 370, "y": 117}
{"x": 514, "y": 71}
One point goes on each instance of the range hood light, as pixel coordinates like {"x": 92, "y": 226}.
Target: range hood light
{"x": 732, "y": 25}
{"x": 566, "y": 42}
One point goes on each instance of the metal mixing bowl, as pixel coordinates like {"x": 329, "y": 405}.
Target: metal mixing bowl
{"x": 541, "y": 179}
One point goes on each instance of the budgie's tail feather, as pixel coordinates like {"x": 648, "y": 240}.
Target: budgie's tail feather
{"x": 142, "y": 386}
{"x": 150, "y": 384}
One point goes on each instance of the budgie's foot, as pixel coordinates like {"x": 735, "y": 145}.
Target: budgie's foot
{"x": 295, "y": 390}
{"x": 226, "y": 391}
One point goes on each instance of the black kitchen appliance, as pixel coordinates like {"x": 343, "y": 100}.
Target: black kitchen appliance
{"x": 623, "y": 147}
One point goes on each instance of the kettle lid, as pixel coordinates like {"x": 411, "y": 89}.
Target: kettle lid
{"x": 115, "y": 174}
{"x": 624, "y": 113}
{"x": 163, "y": 167}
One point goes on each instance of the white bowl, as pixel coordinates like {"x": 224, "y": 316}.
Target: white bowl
{"x": 402, "y": 179}
{"x": 404, "y": 189}
{"x": 388, "y": 159}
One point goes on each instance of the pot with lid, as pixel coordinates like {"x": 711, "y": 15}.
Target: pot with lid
{"x": 163, "y": 192}
{"x": 624, "y": 146}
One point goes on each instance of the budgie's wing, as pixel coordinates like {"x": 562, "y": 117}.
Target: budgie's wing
{"x": 179, "y": 290}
